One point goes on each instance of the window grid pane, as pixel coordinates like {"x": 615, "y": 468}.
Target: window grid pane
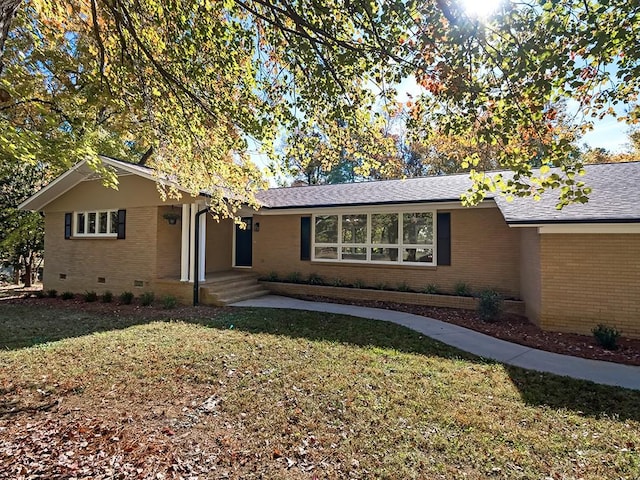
{"x": 92, "y": 223}
{"x": 114, "y": 222}
{"x": 326, "y": 253}
{"x": 417, "y": 255}
{"x": 326, "y": 229}
{"x": 417, "y": 228}
{"x": 80, "y": 219}
{"x": 384, "y": 228}
{"x": 354, "y": 228}
{"x": 102, "y": 222}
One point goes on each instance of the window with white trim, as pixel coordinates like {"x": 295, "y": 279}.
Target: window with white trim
{"x": 100, "y": 223}
{"x": 398, "y": 237}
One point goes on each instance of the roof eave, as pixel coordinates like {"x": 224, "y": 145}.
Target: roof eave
{"x": 574, "y": 221}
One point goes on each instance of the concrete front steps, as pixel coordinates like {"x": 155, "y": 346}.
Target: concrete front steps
{"x": 229, "y": 287}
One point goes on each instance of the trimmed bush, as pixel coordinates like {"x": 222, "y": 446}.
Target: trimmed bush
{"x": 315, "y": 279}
{"x": 337, "y": 282}
{"x": 431, "y": 289}
{"x": 462, "y": 289}
{"x": 107, "y": 297}
{"x": 607, "y": 337}
{"x": 489, "y": 305}
{"x": 294, "y": 277}
{"x": 67, "y": 295}
{"x": 169, "y": 302}
{"x": 126, "y": 298}
{"x": 90, "y": 296}
{"x": 147, "y": 299}
{"x": 358, "y": 284}
{"x": 272, "y": 277}
{"x": 403, "y": 287}
{"x": 52, "y": 293}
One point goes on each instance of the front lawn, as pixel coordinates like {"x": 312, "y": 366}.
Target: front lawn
{"x": 257, "y": 393}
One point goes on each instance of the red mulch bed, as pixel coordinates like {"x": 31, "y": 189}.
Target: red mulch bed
{"x": 516, "y": 329}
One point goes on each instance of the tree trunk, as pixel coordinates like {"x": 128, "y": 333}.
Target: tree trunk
{"x": 8, "y": 9}
{"x": 27, "y": 275}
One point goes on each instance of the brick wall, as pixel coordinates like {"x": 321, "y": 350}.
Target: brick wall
{"x": 448, "y": 301}
{"x": 84, "y": 260}
{"x": 590, "y": 279}
{"x": 484, "y": 254}
{"x": 219, "y": 245}
{"x": 530, "y": 277}
{"x": 169, "y": 238}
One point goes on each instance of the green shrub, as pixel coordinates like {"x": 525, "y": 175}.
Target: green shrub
{"x": 147, "y": 299}
{"x": 52, "y": 293}
{"x": 272, "y": 277}
{"x": 107, "y": 297}
{"x": 381, "y": 286}
{"x": 358, "y": 284}
{"x": 90, "y": 296}
{"x": 294, "y": 277}
{"x": 169, "y": 302}
{"x": 403, "y": 287}
{"x": 431, "y": 289}
{"x": 489, "y": 305}
{"x": 126, "y": 298}
{"x": 315, "y": 279}
{"x": 67, "y": 295}
{"x": 40, "y": 294}
{"x": 337, "y": 282}
{"x": 607, "y": 337}
{"x": 462, "y": 289}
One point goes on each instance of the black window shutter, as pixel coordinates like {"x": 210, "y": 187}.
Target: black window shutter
{"x": 444, "y": 238}
{"x": 305, "y": 238}
{"x": 122, "y": 220}
{"x": 67, "y": 225}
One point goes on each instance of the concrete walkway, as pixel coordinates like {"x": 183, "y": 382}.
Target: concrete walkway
{"x": 471, "y": 341}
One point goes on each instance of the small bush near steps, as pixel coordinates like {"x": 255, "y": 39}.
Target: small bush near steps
{"x": 607, "y": 337}
{"x": 169, "y": 302}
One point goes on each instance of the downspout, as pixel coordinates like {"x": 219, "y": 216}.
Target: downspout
{"x": 196, "y": 253}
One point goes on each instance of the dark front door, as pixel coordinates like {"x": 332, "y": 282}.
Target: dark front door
{"x": 244, "y": 243}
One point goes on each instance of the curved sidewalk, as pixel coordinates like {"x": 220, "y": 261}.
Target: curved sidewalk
{"x": 474, "y": 342}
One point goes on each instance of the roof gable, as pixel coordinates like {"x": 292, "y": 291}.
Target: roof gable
{"x": 81, "y": 172}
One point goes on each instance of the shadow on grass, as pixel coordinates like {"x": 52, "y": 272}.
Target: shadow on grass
{"x": 535, "y": 388}
{"x": 41, "y": 321}
{"x": 28, "y": 325}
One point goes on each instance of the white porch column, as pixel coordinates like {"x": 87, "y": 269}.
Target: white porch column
{"x": 184, "y": 251}
{"x": 192, "y": 244}
{"x": 202, "y": 246}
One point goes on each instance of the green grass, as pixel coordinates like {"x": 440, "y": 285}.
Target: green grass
{"x": 299, "y": 394}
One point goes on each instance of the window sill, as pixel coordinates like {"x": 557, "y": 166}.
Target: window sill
{"x": 95, "y": 237}
{"x": 415, "y": 266}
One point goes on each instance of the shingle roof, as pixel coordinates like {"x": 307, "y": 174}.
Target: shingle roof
{"x": 615, "y": 196}
{"x": 425, "y": 189}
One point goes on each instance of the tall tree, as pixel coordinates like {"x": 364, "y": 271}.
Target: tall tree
{"x": 21, "y": 233}
{"x": 193, "y": 79}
